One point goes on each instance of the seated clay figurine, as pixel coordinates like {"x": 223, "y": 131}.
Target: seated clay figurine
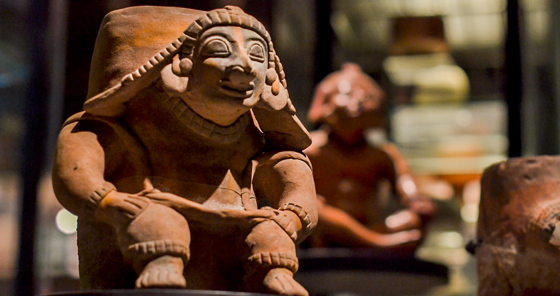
{"x": 353, "y": 177}
{"x": 186, "y": 168}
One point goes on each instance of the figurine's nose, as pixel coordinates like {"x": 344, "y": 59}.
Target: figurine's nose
{"x": 241, "y": 74}
{"x": 354, "y": 107}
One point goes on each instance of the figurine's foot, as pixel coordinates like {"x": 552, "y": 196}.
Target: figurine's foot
{"x": 281, "y": 281}
{"x": 162, "y": 272}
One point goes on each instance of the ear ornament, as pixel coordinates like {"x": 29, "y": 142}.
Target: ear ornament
{"x": 181, "y": 67}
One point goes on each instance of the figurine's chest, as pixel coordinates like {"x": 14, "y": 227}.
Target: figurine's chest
{"x": 367, "y": 166}
{"x": 184, "y": 148}
{"x": 353, "y": 182}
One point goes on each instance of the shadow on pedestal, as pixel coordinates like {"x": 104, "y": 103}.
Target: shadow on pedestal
{"x": 366, "y": 272}
{"x": 153, "y": 292}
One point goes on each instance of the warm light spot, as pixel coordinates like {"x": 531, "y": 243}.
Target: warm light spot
{"x": 450, "y": 239}
{"x": 469, "y": 212}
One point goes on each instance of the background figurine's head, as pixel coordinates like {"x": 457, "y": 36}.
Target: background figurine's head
{"x": 349, "y": 102}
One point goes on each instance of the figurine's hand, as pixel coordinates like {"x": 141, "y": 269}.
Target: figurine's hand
{"x": 403, "y": 220}
{"x": 196, "y": 212}
{"x": 168, "y": 199}
{"x": 423, "y": 206}
{"x": 118, "y": 208}
{"x": 248, "y": 218}
{"x": 344, "y": 229}
{"x": 397, "y": 238}
{"x": 288, "y": 220}
{"x": 555, "y": 238}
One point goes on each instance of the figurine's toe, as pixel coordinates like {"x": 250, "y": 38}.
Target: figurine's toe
{"x": 280, "y": 281}
{"x": 162, "y": 272}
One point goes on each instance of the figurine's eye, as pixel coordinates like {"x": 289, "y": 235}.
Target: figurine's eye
{"x": 256, "y": 52}
{"x": 215, "y": 47}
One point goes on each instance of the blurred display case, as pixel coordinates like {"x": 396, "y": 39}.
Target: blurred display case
{"x": 13, "y": 80}
{"x": 451, "y": 139}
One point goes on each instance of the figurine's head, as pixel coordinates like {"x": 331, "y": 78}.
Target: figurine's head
{"x": 349, "y": 101}
{"x": 225, "y": 64}
{"x": 221, "y": 66}
{"x": 224, "y": 60}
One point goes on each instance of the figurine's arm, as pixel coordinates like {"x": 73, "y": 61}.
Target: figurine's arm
{"x": 406, "y": 189}
{"x": 344, "y": 228}
{"x": 285, "y": 179}
{"x": 78, "y": 170}
{"x": 404, "y": 184}
{"x": 90, "y": 152}
{"x": 209, "y": 217}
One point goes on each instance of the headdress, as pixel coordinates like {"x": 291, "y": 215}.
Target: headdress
{"x": 128, "y": 56}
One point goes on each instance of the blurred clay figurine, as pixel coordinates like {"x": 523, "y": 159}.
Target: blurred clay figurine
{"x": 186, "y": 168}
{"x": 352, "y": 176}
{"x": 518, "y": 230}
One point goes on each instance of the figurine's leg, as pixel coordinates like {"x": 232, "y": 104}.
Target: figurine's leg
{"x": 157, "y": 242}
{"x": 273, "y": 262}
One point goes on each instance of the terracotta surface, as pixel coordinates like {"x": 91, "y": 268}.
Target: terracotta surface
{"x": 356, "y": 179}
{"x": 186, "y": 169}
{"x": 518, "y": 234}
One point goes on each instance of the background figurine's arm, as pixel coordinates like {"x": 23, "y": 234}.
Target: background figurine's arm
{"x": 285, "y": 179}
{"x": 344, "y": 228}
{"x": 404, "y": 184}
{"x": 407, "y": 191}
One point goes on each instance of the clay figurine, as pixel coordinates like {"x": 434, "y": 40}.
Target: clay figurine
{"x": 518, "y": 230}
{"x": 186, "y": 167}
{"x": 354, "y": 177}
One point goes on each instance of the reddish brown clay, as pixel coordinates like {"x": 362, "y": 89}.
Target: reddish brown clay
{"x": 186, "y": 168}
{"x": 352, "y": 175}
{"x": 519, "y": 228}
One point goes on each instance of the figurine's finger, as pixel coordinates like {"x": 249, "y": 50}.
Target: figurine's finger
{"x": 137, "y": 202}
{"x": 400, "y": 238}
{"x": 147, "y": 191}
{"x": 148, "y": 184}
{"x": 172, "y": 200}
{"x": 259, "y": 214}
{"x": 148, "y": 187}
{"x": 160, "y": 196}
{"x": 130, "y": 214}
{"x": 145, "y": 280}
{"x": 247, "y": 214}
{"x": 402, "y": 220}
{"x": 555, "y": 239}
{"x": 156, "y": 276}
{"x": 404, "y": 237}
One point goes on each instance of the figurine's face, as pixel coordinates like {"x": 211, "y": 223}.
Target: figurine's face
{"x": 353, "y": 107}
{"x": 229, "y": 68}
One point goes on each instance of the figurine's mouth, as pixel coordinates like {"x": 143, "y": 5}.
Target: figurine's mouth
{"x": 240, "y": 91}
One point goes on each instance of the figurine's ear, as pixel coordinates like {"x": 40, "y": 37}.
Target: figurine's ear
{"x": 174, "y": 84}
{"x": 282, "y": 128}
{"x": 277, "y": 118}
{"x": 181, "y": 67}
{"x": 275, "y": 95}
